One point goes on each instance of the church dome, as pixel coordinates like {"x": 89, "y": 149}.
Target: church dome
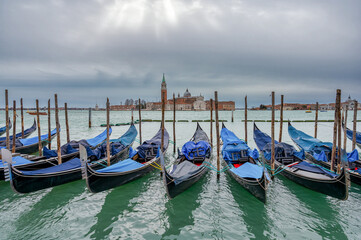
{"x": 187, "y": 93}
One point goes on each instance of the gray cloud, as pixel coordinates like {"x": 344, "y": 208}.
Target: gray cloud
{"x": 88, "y": 50}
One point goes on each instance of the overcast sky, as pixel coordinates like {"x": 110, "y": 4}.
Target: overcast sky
{"x": 89, "y": 50}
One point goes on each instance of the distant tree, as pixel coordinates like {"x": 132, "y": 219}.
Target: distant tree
{"x": 262, "y": 107}
{"x": 127, "y": 101}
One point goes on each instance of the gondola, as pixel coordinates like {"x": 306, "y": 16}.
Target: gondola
{"x": 27, "y": 133}
{"x": 190, "y": 165}
{"x": 320, "y": 153}
{"x": 3, "y": 129}
{"x": 243, "y": 165}
{"x": 291, "y": 164}
{"x": 25, "y": 179}
{"x": 50, "y": 156}
{"x": 349, "y": 134}
{"x": 71, "y": 149}
{"x": 30, "y": 145}
{"x": 138, "y": 163}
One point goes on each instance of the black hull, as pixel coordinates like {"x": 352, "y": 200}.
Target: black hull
{"x": 31, "y": 183}
{"x": 33, "y": 148}
{"x": 98, "y": 182}
{"x": 26, "y": 184}
{"x": 256, "y": 188}
{"x": 337, "y": 188}
{"x": 354, "y": 177}
{"x": 173, "y": 190}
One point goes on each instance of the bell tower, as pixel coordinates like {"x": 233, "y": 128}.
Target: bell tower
{"x": 164, "y": 90}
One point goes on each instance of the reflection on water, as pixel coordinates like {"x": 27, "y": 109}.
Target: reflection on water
{"x": 116, "y": 202}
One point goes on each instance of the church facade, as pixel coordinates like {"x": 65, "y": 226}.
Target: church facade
{"x": 187, "y": 102}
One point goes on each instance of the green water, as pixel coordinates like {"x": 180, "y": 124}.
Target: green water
{"x": 210, "y": 209}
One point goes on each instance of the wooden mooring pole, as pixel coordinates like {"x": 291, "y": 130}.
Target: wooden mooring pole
{"x": 334, "y": 142}
{"x": 339, "y": 130}
{"x": 211, "y": 122}
{"x": 232, "y": 120}
{"x": 14, "y": 125}
{"x": 22, "y": 117}
{"x": 281, "y": 120}
{"x": 57, "y": 128}
{"x": 49, "y": 125}
{"x": 108, "y": 144}
{"x": 39, "y": 132}
{"x": 90, "y": 117}
{"x": 217, "y": 133}
{"x": 245, "y": 120}
{"x": 67, "y": 123}
{"x": 316, "y": 119}
{"x": 140, "y": 121}
{"x": 344, "y": 129}
{"x": 273, "y": 135}
{"x": 7, "y": 119}
{"x": 354, "y": 125}
{"x": 163, "y": 109}
{"x": 132, "y": 117}
{"x": 174, "y": 138}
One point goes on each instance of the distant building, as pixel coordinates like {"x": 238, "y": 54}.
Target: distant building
{"x": 187, "y": 102}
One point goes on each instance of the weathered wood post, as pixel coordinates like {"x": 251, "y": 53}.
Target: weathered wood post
{"x": 211, "y": 110}
{"x": 108, "y": 144}
{"x": 14, "y": 125}
{"x": 281, "y": 120}
{"x": 90, "y": 117}
{"x": 7, "y": 119}
{"x": 273, "y": 135}
{"x": 132, "y": 118}
{"x": 354, "y": 125}
{"x": 245, "y": 120}
{"x": 140, "y": 122}
{"x": 39, "y": 133}
{"x": 57, "y": 128}
{"x": 22, "y": 117}
{"x": 344, "y": 129}
{"x": 67, "y": 123}
{"x": 49, "y": 125}
{"x": 316, "y": 119}
{"x": 334, "y": 142}
{"x": 339, "y": 130}
{"x": 174, "y": 138}
{"x": 217, "y": 133}
{"x": 232, "y": 117}
{"x": 163, "y": 109}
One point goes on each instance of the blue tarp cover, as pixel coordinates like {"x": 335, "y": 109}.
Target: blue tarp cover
{"x": 183, "y": 171}
{"x": 18, "y": 135}
{"x": 129, "y": 137}
{"x": 30, "y": 141}
{"x": 349, "y": 134}
{"x": 122, "y": 166}
{"x": 200, "y": 149}
{"x": 248, "y": 170}
{"x": 71, "y": 164}
{"x": 16, "y": 161}
{"x": 320, "y": 157}
{"x": 153, "y": 143}
{"x": 99, "y": 139}
{"x": 261, "y": 139}
{"x": 313, "y": 168}
{"x": 316, "y": 147}
{"x": 353, "y": 156}
{"x": 232, "y": 144}
{"x": 307, "y": 142}
{"x": 264, "y": 143}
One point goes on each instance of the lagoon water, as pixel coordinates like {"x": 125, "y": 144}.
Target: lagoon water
{"x": 210, "y": 209}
